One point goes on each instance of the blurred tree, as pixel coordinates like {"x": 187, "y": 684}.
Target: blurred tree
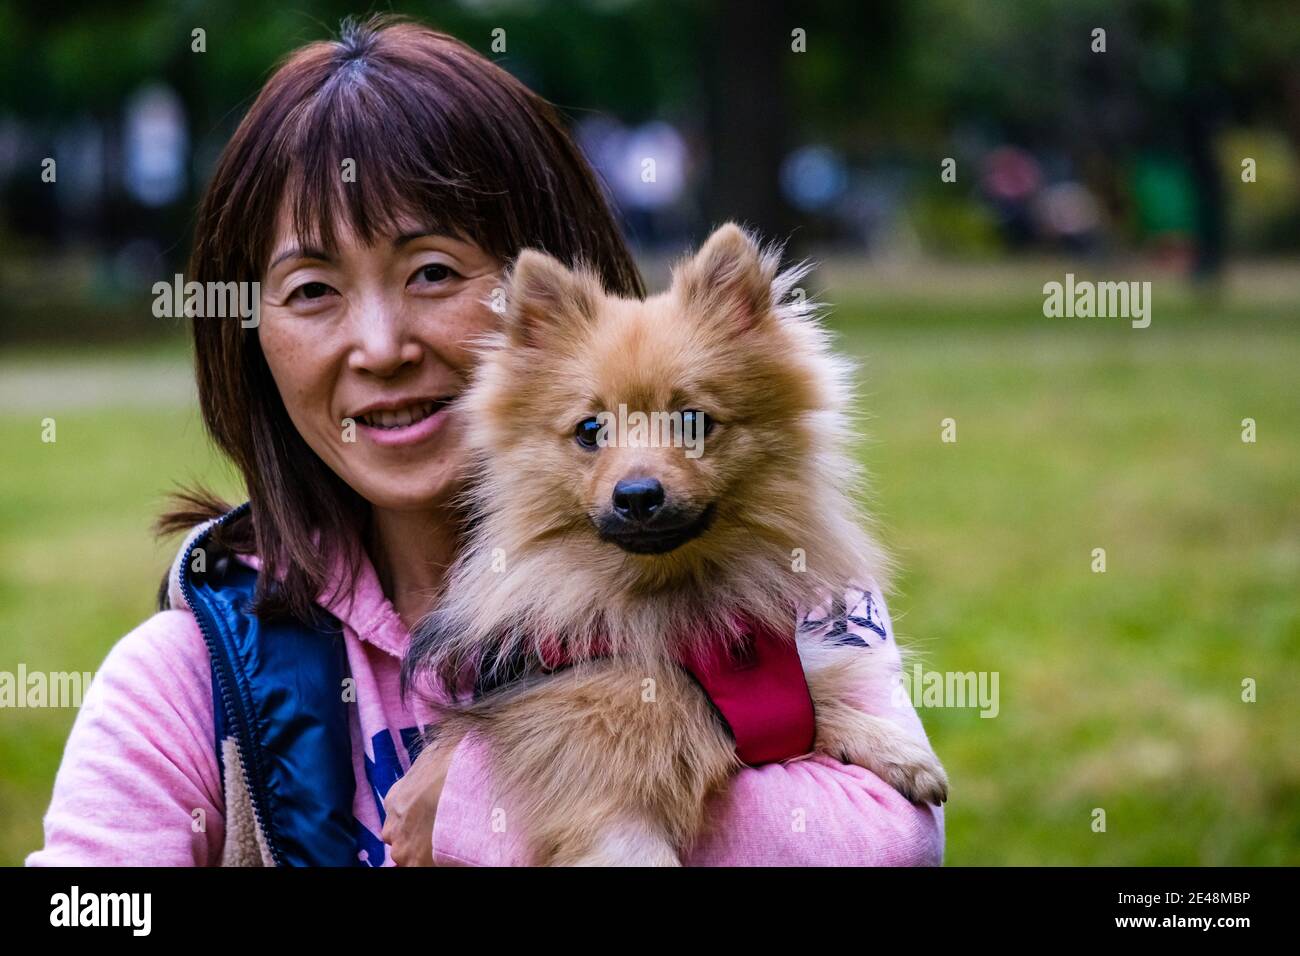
{"x": 746, "y": 50}
{"x": 885, "y": 83}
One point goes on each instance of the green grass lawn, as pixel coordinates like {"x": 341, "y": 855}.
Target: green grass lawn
{"x": 1119, "y": 691}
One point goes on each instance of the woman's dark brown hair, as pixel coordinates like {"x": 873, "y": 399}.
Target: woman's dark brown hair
{"x": 438, "y": 133}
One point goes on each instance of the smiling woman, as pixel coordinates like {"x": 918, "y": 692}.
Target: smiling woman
{"x": 368, "y": 347}
{"x": 376, "y": 187}
{"x": 376, "y": 190}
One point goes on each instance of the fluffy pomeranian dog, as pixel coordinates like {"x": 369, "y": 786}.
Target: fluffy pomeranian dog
{"x": 616, "y": 558}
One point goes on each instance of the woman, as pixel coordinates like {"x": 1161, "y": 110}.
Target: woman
{"x": 375, "y": 190}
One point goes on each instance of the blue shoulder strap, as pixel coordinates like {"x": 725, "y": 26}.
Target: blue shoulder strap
{"x": 278, "y": 691}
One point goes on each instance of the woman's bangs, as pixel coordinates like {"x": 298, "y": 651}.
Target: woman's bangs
{"x": 359, "y": 162}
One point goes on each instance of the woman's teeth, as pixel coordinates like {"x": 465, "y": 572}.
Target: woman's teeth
{"x": 401, "y": 417}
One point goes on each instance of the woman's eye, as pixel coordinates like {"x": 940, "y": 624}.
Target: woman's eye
{"x": 696, "y": 422}
{"x": 587, "y": 432}
{"x": 435, "y": 272}
{"x": 311, "y": 290}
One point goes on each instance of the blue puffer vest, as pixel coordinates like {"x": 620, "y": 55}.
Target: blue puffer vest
{"x": 282, "y": 737}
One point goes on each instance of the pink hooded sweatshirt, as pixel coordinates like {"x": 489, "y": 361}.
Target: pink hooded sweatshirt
{"x": 139, "y": 784}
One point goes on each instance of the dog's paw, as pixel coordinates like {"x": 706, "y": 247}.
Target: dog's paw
{"x": 921, "y": 778}
{"x": 604, "y": 856}
{"x": 626, "y": 843}
{"x": 881, "y": 746}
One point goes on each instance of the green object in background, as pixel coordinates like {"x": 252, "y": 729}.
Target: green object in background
{"x": 1164, "y": 195}
{"x": 955, "y": 227}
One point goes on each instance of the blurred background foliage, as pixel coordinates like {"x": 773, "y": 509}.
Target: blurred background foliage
{"x": 1058, "y": 149}
{"x": 1119, "y": 690}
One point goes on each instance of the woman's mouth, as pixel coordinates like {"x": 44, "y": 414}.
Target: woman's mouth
{"x": 405, "y": 424}
{"x": 401, "y": 417}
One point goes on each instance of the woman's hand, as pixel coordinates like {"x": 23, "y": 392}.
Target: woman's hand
{"x": 412, "y": 804}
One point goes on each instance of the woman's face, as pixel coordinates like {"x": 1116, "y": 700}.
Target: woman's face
{"x": 368, "y": 344}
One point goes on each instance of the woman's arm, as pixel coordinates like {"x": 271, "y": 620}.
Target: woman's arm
{"x": 813, "y": 811}
{"x": 139, "y": 783}
{"x": 818, "y": 812}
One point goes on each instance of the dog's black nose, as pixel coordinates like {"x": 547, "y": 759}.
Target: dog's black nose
{"x": 637, "y": 499}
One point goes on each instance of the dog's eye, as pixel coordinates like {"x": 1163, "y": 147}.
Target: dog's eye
{"x": 586, "y": 432}
{"x": 693, "y": 420}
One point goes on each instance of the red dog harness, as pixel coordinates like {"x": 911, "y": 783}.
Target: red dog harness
{"x": 758, "y": 688}
{"x": 761, "y": 694}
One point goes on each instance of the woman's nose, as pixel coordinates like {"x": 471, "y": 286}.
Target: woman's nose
{"x": 383, "y": 341}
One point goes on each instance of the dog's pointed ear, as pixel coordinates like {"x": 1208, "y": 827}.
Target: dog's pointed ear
{"x": 545, "y": 296}
{"x": 730, "y": 278}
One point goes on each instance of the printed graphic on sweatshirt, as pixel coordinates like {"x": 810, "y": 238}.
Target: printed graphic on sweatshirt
{"x": 855, "y": 620}
{"x": 382, "y": 772}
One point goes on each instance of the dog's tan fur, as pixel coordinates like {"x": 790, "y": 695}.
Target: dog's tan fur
{"x": 611, "y": 761}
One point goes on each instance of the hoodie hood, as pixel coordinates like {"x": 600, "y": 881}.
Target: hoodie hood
{"x": 362, "y": 608}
